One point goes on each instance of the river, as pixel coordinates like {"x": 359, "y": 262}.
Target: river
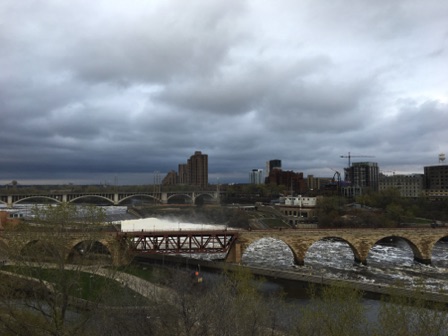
{"x": 389, "y": 263}
{"x": 386, "y": 264}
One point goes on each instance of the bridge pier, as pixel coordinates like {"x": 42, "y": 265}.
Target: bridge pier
{"x": 299, "y": 262}
{"x": 9, "y": 203}
{"x": 361, "y": 261}
{"x": 234, "y": 254}
{"x": 424, "y": 261}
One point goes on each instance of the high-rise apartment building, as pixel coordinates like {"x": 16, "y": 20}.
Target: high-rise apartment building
{"x": 183, "y": 174}
{"x": 256, "y": 176}
{"x": 194, "y": 172}
{"x": 198, "y": 169}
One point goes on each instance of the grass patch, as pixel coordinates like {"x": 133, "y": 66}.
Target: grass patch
{"x": 146, "y": 272}
{"x": 82, "y": 285}
{"x": 274, "y": 223}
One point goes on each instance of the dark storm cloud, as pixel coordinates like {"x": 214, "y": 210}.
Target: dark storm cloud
{"x": 111, "y": 90}
{"x": 169, "y": 41}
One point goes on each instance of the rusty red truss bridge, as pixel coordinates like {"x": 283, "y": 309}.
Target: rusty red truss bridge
{"x": 178, "y": 242}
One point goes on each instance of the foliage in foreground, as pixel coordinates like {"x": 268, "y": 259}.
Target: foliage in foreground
{"x": 232, "y": 304}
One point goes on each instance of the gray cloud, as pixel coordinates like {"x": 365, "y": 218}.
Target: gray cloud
{"x": 109, "y": 90}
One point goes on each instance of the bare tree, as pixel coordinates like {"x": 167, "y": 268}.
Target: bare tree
{"x": 47, "y": 271}
{"x": 412, "y": 316}
{"x": 335, "y": 311}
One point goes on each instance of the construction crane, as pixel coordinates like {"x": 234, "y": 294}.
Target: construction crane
{"x": 336, "y": 180}
{"x": 349, "y": 156}
{"x": 336, "y": 176}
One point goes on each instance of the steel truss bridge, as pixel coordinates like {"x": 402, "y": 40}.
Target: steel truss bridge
{"x": 113, "y": 198}
{"x": 178, "y": 242}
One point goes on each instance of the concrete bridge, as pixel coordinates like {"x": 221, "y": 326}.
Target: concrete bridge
{"x": 361, "y": 241}
{"x": 113, "y": 198}
{"x": 234, "y": 243}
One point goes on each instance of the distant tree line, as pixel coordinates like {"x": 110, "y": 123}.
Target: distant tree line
{"x": 385, "y": 208}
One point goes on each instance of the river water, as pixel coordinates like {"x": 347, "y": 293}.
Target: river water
{"x": 386, "y": 264}
{"x": 390, "y": 263}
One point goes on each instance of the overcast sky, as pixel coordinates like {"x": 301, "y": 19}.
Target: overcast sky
{"x": 111, "y": 91}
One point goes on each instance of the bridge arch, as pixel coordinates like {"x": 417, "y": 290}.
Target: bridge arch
{"x": 392, "y": 241}
{"x": 180, "y": 195}
{"x": 89, "y": 250}
{"x": 139, "y": 195}
{"x": 418, "y": 254}
{"x": 54, "y": 199}
{"x": 45, "y": 250}
{"x": 306, "y": 246}
{"x": 73, "y": 200}
{"x": 278, "y": 251}
{"x": 440, "y": 238}
{"x": 200, "y": 198}
{"x": 439, "y": 251}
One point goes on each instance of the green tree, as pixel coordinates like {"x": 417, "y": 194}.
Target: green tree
{"x": 329, "y": 210}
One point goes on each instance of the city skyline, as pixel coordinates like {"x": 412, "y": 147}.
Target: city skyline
{"x": 109, "y": 91}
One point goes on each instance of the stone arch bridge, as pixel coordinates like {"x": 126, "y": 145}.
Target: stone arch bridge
{"x": 233, "y": 243}
{"x": 421, "y": 241}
